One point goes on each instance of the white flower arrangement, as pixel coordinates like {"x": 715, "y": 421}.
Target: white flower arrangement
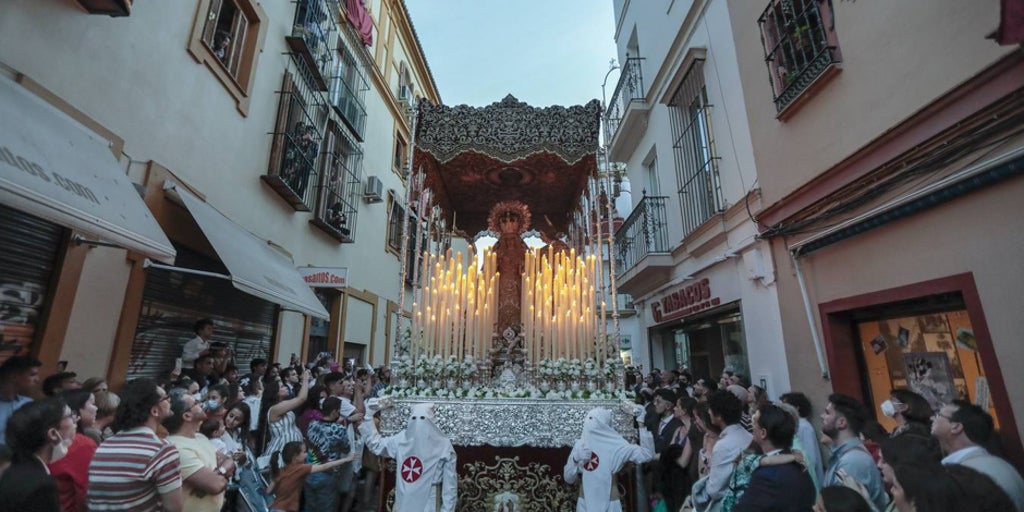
{"x": 611, "y": 368}
{"x": 467, "y": 368}
{"x": 530, "y": 392}
{"x": 574, "y": 369}
{"x": 590, "y": 369}
{"x": 401, "y": 366}
{"x": 429, "y": 367}
{"x": 452, "y": 367}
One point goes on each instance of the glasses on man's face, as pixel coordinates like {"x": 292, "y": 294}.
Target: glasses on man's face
{"x": 165, "y": 398}
{"x": 940, "y": 415}
{"x": 73, "y": 415}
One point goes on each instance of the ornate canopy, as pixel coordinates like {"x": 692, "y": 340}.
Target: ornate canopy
{"x": 474, "y": 158}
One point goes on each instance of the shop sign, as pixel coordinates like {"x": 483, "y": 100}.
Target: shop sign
{"x": 684, "y": 302}
{"x": 625, "y": 343}
{"x": 325, "y": 277}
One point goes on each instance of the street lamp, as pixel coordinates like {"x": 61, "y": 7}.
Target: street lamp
{"x": 612, "y": 66}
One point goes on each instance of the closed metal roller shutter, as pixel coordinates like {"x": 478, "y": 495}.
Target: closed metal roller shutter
{"x": 172, "y": 302}
{"x": 26, "y": 270}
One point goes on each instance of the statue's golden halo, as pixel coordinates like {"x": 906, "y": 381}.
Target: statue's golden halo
{"x": 505, "y": 209}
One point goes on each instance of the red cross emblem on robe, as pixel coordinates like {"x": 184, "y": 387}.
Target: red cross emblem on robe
{"x": 592, "y": 463}
{"x": 412, "y": 469}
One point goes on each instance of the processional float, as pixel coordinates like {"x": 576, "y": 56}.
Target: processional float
{"x": 515, "y": 344}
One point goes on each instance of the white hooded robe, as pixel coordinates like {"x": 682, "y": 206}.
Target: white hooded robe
{"x": 598, "y": 456}
{"x": 425, "y": 462}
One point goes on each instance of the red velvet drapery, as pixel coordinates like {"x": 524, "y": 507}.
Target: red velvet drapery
{"x": 361, "y": 20}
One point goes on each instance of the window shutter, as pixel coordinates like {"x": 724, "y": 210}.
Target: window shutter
{"x": 211, "y": 21}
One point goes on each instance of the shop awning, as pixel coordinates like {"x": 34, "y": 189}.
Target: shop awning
{"x": 53, "y": 168}
{"x": 255, "y": 267}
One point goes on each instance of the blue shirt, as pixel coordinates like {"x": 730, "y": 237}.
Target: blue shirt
{"x": 853, "y": 458}
{"x": 7, "y": 408}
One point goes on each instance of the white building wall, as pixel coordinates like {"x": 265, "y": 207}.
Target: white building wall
{"x": 665, "y": 32}
{"x": 135, "y": 77}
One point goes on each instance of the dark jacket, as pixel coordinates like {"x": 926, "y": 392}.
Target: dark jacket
{"x": 783, "y": 488}
{"x": 27, "y": 487}
{"x": 663, "y": 439}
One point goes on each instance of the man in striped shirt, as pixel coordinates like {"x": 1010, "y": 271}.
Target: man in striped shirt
{"x": 134, "y": 469}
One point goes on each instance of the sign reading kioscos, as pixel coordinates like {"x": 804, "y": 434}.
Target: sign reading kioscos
{"x": 684, "y": 302}
{"x": 325, "y": 277}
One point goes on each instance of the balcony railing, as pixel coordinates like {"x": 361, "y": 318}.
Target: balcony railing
{"x": 643, "y": 233}
{"x": 799, "y": 44}
{"x": 348, "y": 87}
{"x": 314, "y": 37}
{"x": 630, "y": 88}
{"x": 340, "y": 186}
{"x": 295, "y": 147}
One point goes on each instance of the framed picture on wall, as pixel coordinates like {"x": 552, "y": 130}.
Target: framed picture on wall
{"x": 933, "y": 323}
{"x": 929, "y": 375}
{"x": 878, "y": 345}
{"x": 903, "y": 338}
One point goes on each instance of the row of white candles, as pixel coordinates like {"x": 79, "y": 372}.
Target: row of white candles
{"x": 558, "y": 306}
{"x": 456, "y": 314}
{"x": 458, "y": 308}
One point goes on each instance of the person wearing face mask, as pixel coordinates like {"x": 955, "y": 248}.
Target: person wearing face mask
{"x": 72, "y": 472}
{"x": 216, "y": 396}
{"x": 911, "y": 411}
{"x": 39, "y": 433}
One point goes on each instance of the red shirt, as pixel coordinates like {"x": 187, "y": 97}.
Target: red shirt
{"x": 72, "y": 473}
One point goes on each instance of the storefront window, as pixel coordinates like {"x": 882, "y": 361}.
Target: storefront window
{"x": 935, "y": 355}
{"x": 734, "y": 344}
{"x": 707, "y": 346}
{"x": 319, "y": 328}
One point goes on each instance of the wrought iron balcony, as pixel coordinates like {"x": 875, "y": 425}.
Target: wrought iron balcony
{"x": 340, "y": 187}
{"x": 348, "y": 87}
{"x": 630, "y": 88}
{"x": 800, "y": 46}
{"x": 296, "y": 145}
{"x": 644, "y": 232}
{"x": 315, "y": 36}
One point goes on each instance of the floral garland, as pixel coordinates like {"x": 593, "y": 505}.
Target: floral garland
{"x": 486, "y": 392}
{"x": 556, "y": 379}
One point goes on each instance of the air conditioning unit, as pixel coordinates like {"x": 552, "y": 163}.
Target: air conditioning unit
{"x": 374, "y": 190}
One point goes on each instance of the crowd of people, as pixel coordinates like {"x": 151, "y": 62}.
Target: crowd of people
{"x": 722, "y": 446}
{"x": 203, "y": 438}
{"x": 292, "y": 437}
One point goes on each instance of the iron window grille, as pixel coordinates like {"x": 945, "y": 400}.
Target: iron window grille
{"x": 314, "y": 37}
{"x": 693, "y": 144}
{"x": 401, "y": 156}
{"x": 415, "y": 229}
{"x": 630, "y": 88}
{"x": 339, "y": 188}
{"x": 645, "y": 231}
{"x": 395, "y": 215}
{"x": 297, "y": 137}
{"x": 800, "y": 44}
{"x": 347, "y": 92}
